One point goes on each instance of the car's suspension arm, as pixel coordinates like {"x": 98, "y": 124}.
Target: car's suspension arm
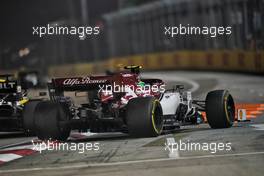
{"x": 199, "y": 104}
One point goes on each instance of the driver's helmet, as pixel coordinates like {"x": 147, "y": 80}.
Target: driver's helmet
{"x": 141, "y": 84}
{"x": 133, "y": 68}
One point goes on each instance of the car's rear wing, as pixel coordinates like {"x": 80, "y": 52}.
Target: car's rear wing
{"x": 6, "y": 76}
{"x": 80, "y": 83}
{"x": 8, "y": 86}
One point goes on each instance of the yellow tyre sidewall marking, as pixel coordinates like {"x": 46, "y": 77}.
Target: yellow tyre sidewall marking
{"x": 153, "y": 117}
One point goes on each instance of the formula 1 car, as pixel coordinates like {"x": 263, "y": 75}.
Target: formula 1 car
{"x": 13, "y": 99}
{"x": 125, "y": 102}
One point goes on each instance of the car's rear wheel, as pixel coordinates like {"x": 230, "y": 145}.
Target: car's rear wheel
{"x": 51, "y": 120}
{"x": 28, "y": 116}
{"x": 220, "y": 109}
{"x": 144, "y": 117}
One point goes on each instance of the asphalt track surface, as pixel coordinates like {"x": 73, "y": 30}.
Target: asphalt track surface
{"x": 121, "y": 155}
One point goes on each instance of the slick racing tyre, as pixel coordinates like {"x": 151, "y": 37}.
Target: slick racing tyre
{"x": 51, "y": 120}
{"x": 220, "y": 109}
{"x": 28, "y": 116}
{"x": 144, "y": 117}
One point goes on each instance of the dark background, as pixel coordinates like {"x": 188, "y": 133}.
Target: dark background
{"x": 128, "y": 27}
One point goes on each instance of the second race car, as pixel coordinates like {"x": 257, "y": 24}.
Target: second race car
{"x": 14, "y": 114}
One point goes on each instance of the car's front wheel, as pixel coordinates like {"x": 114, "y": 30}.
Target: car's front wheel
{"x": 220, "y": 109}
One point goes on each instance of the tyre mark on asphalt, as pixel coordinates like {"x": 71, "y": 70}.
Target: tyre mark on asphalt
{"x": 111, "y": 154}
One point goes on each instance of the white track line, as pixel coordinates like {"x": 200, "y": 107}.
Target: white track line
{"x": 129, "y": 162}
{"x": 195, "y": 86}
{"x": 174, "y": 153}
{"x": 258, "y": 126}
{"x": 9, "y": 157}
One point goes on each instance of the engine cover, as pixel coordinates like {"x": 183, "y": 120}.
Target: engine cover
{"x": 170, "y": 102}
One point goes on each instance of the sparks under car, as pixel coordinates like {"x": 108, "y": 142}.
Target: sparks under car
{"x": 125, "y": 102}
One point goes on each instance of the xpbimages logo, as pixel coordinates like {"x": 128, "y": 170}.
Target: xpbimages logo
{"x": 212, "y": 31}
{"x": 82, "y": 31}
{"x": 212, "y": 147}
{"x": 141, "y": 87}
{"x": 70, "y": 146}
